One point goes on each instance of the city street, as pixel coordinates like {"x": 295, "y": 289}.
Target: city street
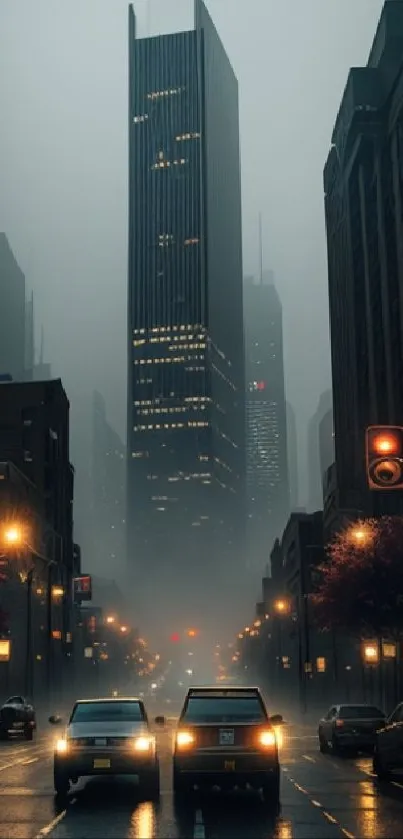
{"x": 322, "y": 797}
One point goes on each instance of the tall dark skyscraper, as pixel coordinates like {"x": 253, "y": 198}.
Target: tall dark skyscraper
{"x": 185, "y": 322}
{"x": 268, "y": 500}
{"x": 363, "y": 182}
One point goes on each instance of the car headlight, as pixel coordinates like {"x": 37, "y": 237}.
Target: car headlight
{"x": 184, "y": 739}
{"x": 267, "y": 739}
{"x": 62, "y": 746}
{"x": 142, "y": 744}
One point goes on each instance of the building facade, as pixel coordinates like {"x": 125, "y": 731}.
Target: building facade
{"x": 108, "y": 475}
{"x": 186, "y": 367}
{"x": 266, "y": 424}
{"x": 363, "y": 181}
{"x": 292, "y": 452}
{"x": 317, "y": 443}
{"x": 12, "y": 314}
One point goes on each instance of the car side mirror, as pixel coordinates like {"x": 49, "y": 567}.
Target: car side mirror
{"x": 277, "y": 719}
{"x": 55, "y": 719}
{"x": 160, "y": 721}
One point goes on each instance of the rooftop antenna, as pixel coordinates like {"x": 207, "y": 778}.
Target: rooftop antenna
{"x": 260, "y": 249}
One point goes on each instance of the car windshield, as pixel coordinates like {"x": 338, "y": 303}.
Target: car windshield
{"x": 224, "y": 709}
{"x": 356, "y": 712}
{"x": 108, "y": 712}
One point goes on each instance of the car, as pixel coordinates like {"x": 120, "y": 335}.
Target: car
{"x": 388, "y": 751}
{"x": 350, "y": 728}
{"x": 226, "y": 738}
{"x": 107, "y": 737}
{"x": 17, "y": 716}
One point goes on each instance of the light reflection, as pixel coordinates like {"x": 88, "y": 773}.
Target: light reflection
{"x": 368, "y": 816}
{"x": 143, "y": 821}
{"x": 284, "y": 830}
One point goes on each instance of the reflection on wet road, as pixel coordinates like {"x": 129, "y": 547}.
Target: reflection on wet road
{"x": 322, "y": 797}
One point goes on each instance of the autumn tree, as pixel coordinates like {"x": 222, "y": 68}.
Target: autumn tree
{"x": 360, "y": 585}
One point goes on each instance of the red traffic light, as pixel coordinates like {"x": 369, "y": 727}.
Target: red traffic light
{"x": 175, "y": 637}
{"x": 384, "y": 457}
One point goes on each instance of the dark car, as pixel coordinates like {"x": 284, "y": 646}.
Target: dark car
{"x": 17, "y": 716}
{"x": 107, "y": 737}
{"x": 350, "y": 728}
{"x": 226, "y": 738}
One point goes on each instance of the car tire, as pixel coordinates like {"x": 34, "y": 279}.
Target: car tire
{"x": 61, "y": 782}
{"x": 271, "y": 791}
{"x": 380, "y": 770}
{"x": 323, "y": 745}
{"x": 150, "y": 783}
{"x": 28, "y": 732}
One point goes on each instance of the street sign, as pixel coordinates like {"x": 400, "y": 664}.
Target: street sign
{"x": 82, "y": 588}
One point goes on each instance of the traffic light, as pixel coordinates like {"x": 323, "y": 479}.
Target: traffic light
{"x": 175, "y": 637}
{"x": 384, "y": 457}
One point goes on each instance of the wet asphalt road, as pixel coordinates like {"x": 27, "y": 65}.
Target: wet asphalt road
{"x": 322, "y": 797}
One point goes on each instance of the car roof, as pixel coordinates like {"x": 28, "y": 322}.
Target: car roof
{"x": 110, "y": 699}
{"x": 223, "y": 691}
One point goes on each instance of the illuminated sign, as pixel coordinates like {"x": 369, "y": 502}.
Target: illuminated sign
{"x": 5, "y": 649}
{"x": 82, "y": 588}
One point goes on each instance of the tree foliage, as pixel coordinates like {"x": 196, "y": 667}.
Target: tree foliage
{"x": 361, "y": 582}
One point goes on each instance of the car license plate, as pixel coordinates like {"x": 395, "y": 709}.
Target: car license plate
{"x": 18, "y": 724}
{"x": 229, "y": 765}
{"x": 100, "y": 741}
{"x": 226, "y": 736}
{"x": 102, "y": 763}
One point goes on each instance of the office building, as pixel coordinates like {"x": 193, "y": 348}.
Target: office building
{"x": 12, "y": 314}
{"x": 108, "y": 492}
{"x": 292, "y": 452}
{"x": 186, "y": 364}
{"x": 318, "y": 450}
{"x": 363, "y": 183}
{"x": 266, "y": 423}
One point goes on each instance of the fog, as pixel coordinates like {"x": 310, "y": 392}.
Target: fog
{"x": 63, "y": 174}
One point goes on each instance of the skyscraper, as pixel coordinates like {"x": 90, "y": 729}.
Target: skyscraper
{"x": 363, "y": 182}
{"x": 266, "y": 425}
{"x": 186, "y": 364}
{"x": 292, "y": 452}
{"x": 316, "y": 453}
{"x": 12, "y": 314}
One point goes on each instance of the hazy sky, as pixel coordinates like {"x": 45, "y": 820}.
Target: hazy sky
{"x": 63, "y": 167}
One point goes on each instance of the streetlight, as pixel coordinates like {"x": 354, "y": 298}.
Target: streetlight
{"x": 360, "y": 534}
{"x": 123, "y": 629}
{"x": 13, "y": 536}
{"x": 281, "y": 606}
{"x": 110, "y": 619}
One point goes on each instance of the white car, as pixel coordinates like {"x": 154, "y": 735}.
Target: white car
{"x": 107, "y": 737}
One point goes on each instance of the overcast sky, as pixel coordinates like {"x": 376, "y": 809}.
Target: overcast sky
{"x": 63, "y": 167}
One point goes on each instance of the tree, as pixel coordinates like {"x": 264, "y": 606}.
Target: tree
{"x": 360, "y": 586}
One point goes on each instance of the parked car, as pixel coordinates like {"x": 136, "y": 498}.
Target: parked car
{"x": 388, "y": 752}
{"x": 17, "y": 716}
{"x": 350, "y": 728}
{"x": 107, "y": 737}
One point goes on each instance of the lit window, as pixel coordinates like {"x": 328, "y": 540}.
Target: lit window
{"x": 140, "y": 118}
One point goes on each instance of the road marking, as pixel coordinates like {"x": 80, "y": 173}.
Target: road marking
{"x": 347, "y": 833}
{"x": 198, "y": 828}
{"x": 315, "y": 803}
{"x": 329, "y": 817}
{"x": 51, "y": 826}
{"x": 311, "y": 759}
{"x": 45, "y": 831}
{"x": 300, "y": 789}
{"x": 15, "y": 763}
{"x": 31, "y": 760}
{"x": 396, "y": 784}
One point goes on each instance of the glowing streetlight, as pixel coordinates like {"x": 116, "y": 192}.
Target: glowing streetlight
{"x": 123, "y": 629}
{"x": 110, "y": 619}
{"x": 57, "y": 591}
{"x": 360, "y": 534}
{"x": 370, "y": 652}
{"x": 281, "y": 606}
{"x": 257, "y": 624}
{"x": 13, "y": 535}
